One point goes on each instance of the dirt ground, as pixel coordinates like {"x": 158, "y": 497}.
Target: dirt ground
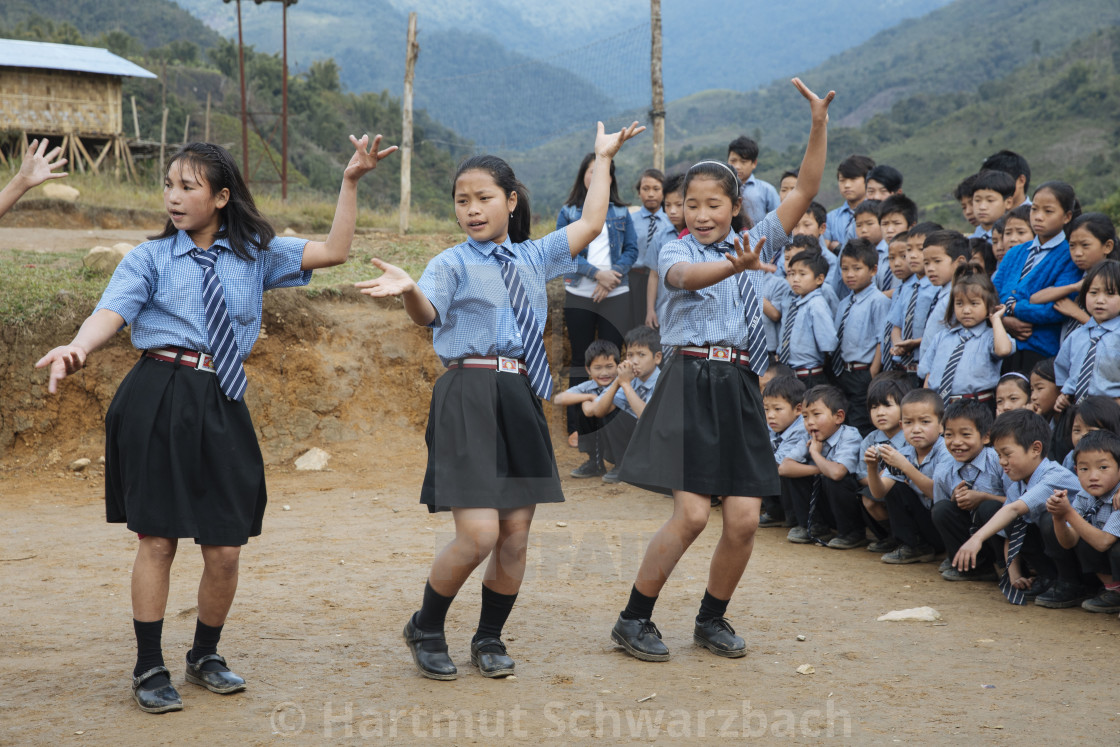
{"x": 325, "y": 591}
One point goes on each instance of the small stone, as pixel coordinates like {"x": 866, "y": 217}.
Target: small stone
{"x": 806, "y": 669}
{"x": 561, "y": 524}
{"x": 103, "y": 259}
{"x": 287, "y": 507}
{"x": 79, "y": 464}
{"x": 101, "y": 460}
{"x": 288, "y": 232}
{"x": 512, "y": 677}
{"x": 313, "y": 460}
{"x": 342, "y": 562}
{"x": 800, "y": 637}
{"x": 917, "y": 614}
{"x": 60, "y": 192}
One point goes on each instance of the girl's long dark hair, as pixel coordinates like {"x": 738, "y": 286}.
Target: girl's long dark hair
{"x": 968, "y": 279}
{"x": 579, "y": 190}
{"x": 242, "y": 224}
{"x": 1108, "y": 270}
{"x": 1066, "y": 198}
{"x": 1101, "y": 228}
{"x": 503, "y": 176}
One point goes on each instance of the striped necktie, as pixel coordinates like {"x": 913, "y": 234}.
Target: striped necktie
{"x": 815, "y": 495}
{"x": 651, "y": 229}
{"x": 752, "y": 312}
{"x": 837, "y": 357}
{"x": 787, "y": 331}
{"x": 1032, "y": 260}
{"x": 945, "y": 388}
{"x": 532, "y": 342}
{"x": 1016, "y": 533}
{"x": 1085, "y": 375}
{"x": 885, "y": 348}
{"x": 885, "y": 276}
{"x": 908, "y": 325}
{"x": 223, "y": 343}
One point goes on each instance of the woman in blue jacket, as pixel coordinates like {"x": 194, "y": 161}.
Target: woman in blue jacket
{"x": 596, "y": 304}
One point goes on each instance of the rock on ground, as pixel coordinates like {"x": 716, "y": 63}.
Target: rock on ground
{"x": 917, "y": 614}
{"x": 60, "y": 192}
{"x": 313, "y": 459}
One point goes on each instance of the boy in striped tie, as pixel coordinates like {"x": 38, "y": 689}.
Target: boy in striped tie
{"x": 1021, "y": 438}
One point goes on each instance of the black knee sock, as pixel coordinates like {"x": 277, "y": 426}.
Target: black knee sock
{"x": 206, "y": 642}
{"x": 640, "y": 607}
{"x": 149, "y": 650}
{"x": 711, "y": 608}
{"x": 434, "y": 610}
{"x": 495, "y": 611}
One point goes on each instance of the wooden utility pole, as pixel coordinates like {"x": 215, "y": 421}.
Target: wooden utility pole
{"x": 413, "y": 50}
{"x": 135, "y": 119}
{"x": 162, "y": 145}
{"x": 657, "y": 109}
{"x": 187, "y": 130}
{"x": 206, "y": 131}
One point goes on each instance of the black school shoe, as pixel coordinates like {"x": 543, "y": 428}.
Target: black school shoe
{"x": 1106, "y": 601}
{"x": 849, "y": 541}
{"x": 976, "y": 574}
{"x": 767, "y": 520}
{"x": 719, "y": 637}
{"x": 1062, "y": 595}
{"x": 612, "y": 476}
{"x": 640, "y": 638}
{"x": 905, "y": 555}
{"x": 221, "y": 681}
{"x": 436, "y": 665}
{"x": 590, "y": 468}
{"x": 160, "y": 699}
{"x": 491, "y": 663}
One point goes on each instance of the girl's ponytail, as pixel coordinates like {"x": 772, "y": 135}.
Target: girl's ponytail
{"x": 522, "y": 216}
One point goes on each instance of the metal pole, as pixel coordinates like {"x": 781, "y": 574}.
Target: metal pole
{"x": 413, "y": 49}
{"x": 244, "y": 118}
{"x": 284, "y": 115}
{"x": 657, "y": 109}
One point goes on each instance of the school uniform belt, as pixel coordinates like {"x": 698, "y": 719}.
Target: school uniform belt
{"x": 716, "y": 353}
{"x": 849, "y": 367}
{"x": 804, "y": 373}
{"x": 493, "y": 363}
{"x": 183, "y": 356}
{"x": 978, "y": 396}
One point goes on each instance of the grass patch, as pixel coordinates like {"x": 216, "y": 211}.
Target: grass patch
{"x": 36, "y": 286}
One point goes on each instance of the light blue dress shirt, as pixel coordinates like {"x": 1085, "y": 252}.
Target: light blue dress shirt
{"x": 978, "y": 368}
{"x": 663, "y": 233}
{"x": 643, "y": 389}
{"x": 864, "y": 327}
{"x": 1105, "y": 379}
{"x": 759, "y": 198}
{"x": 937, "y": 456}
{"x": 813, "y": 334}
{"x": 1048, "y": 477}
{"x": 986, "y": 474}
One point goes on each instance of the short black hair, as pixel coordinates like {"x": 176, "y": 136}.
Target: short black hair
{"x": 811, "y": 258}
{"x": 1105, "y": 441}
{"x": 792, "y": 172}
{"x": 743, "y": 147}
{"x": 1099, "y": 411}
{"x": 855, "y": 167}
{"x": 953, "y": 242}
{"x": 644, "y": 336}
{"x": 1023, "y": 213}
{"x": 867, "y": 206}
{"x": 650, "y": 174}
{"x": 861, "y": 250}
{"x": 802, "y": 242}
{"x": 999, "y": 225}
{"x": 1108, "y": 270}
{"x": 965, "y": 188}
{"x": 925, "y": 228}
{"x": 888, "y": 176}
{"x": 599, "y": 348}
{"x": 902, "y": 237}
{"x": 887, "y": 386}
{"x": 781, "y": 369}
{"x": 674, "y": 183}
{"x": 994, "y": 181}
{"x": 832, "y": 397}
{"x": 1024, "y": 427}
{"x": 818, "y": 211}
{"x": 902, "y": 205}
{"x": 925, "y": 397}
{"x": 790, "y": 388}
{"x": 1044, "y": 369}
{"x": 981, "y": 254}
{"x": 976, "y": 412}
{"x": 1009, "y": 162}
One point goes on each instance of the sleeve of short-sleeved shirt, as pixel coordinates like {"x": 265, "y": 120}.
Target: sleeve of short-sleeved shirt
{"x": 132, "y": 285}
{"x": 1035, "y": 497}
{"x": 1062, "y": 363}
{"x": 776, "y": 236}
{"x": 942, "y": 482}
{"x": 824, "y": 329}
{"x": 924, "y": 363}
{"x": 284, "y": 257}
{"x": 847, "y": 451}
{"x": 438, "y": 284}
{"x": 550, "y": 252}
{"x": 793, "y": 447}
{"x": 671, "y": 254}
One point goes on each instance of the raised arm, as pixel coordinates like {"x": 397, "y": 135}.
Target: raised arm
{"x": 590, "y": 223}
{"x": 66, "y": 359}
{"x": 789, "y": 212}
{"x": 336, "y": 249}
{"x": 38, "y": 166}
{"x": 696, "y": 275}
{"x": 397, "y": 282}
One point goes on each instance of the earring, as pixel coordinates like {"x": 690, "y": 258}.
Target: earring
{"x": 511, "y": 216}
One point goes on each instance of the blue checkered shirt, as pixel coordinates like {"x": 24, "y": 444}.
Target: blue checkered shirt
{"x": 864, "y": 326}
{"x": 1105, "y": 379}
{"x": 157, "y": 288}
{"x": 473, "y": 311}
{"x": 1048, "y": 477}
{"x": 875, "y": 438}
{"x": 991, "y": 478}
{"x": 937, "y": 456}
{"x": 712, "y": 315}
{"x": 792, "y": 443}
{"x": 979, "y": 367}
{"x": 643, "y": 389}
{"x": 1098, "y": 512}
{"x": 662, "y": 235}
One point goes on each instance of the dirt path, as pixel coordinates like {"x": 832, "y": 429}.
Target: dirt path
{"x": 327, "y": 588}
{"x": 64, "y": 240}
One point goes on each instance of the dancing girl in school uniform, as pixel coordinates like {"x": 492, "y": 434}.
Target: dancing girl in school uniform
{"x": 490, "y": 458}
{"x": 703, "y": 433}
{"x": 181, "y": 455}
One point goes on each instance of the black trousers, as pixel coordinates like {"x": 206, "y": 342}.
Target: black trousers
{"x": 801, "y": 493}
{"x": 1095, "y": 561}
{"x": 1034, "y": 554}
{"x": 854, "y": 385}
{"x": 845, "y": 503}
{"x": 955, "y": 526}
{"x": 1068, "y": 562}
{"x": 911, "y": 521}
{"x": 588, "y": 321}
{"x": 795, "y": 498}
{"x": 639, "y": 285}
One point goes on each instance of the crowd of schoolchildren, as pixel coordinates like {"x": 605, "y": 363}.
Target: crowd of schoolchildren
{"x": 930, "y": 394}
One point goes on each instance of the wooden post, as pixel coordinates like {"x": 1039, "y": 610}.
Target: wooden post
{"x": 135, "y": 119}
{"x": 101, "y": 155}
{"x": 206, "y": 131}
{"x": 82, "y": 149}
{"x": 244, "y": 110}
{"x": 657, "y": 109}
{"x": 162, "y": 145}
{"x": 413, "y": 50}
{"x": 187, "y": 130}
{"x": 117, "y": 159}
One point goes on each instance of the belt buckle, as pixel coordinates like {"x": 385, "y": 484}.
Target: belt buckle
{"x": 719, "y": 353}
{"x": 508, "y": 365}
{"x": 205, "y": 360}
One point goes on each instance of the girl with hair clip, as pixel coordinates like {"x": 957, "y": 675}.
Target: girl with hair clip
{"x": 490, "y": 459}
{"x": 1013, "y": 392}
{"x": 964, "y": 359}
{"x": 703, "y": 434}
{"x": 1028, "y": 268}
{"x": 181, "y": 455}
{"x": 1088, "y": 362}
{"x": 597, "y": 302}
{"x": 1092, "y": 239}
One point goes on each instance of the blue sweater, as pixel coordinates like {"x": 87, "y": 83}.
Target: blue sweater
{"x": 1056, "y": 268}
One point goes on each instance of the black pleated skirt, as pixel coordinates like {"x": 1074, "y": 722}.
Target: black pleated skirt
{"x": 181, "y": 460}
{"x": 703, "y": 431}
{"x": 488, "y": 444}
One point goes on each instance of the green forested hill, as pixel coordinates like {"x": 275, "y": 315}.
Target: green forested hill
{"x": 153, "y": 23}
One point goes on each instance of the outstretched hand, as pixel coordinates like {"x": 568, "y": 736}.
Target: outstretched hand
{"x": 364, "y": 161}
{"x": 38, "y": 166}
{"x": 817, "y": 105}
{"x": 393, "y": 282}
{"x": 608, "y": 145}
{"x": 748, "y": 258}
{"x": 63, "y": 360}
